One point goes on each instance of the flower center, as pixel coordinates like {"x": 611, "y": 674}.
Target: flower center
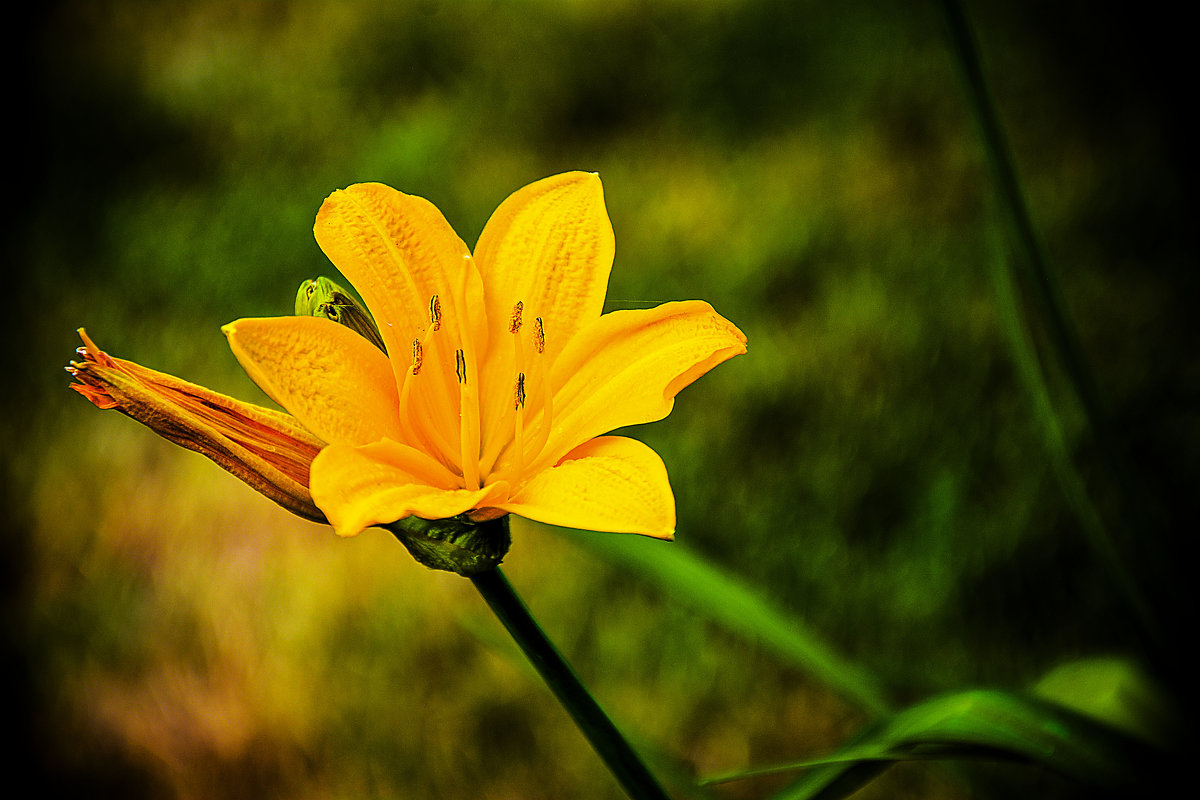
{"x": 439, "y": 414}
{"x": 485, "y": 421}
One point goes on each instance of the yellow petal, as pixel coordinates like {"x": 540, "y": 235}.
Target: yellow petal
{"x": 608, "y": 484}
{"x": 627, "y": 367}
{"x": 549, "y": 245}
{"x": 357, "y": 487}
{"x": 339, "y": 385}
{"x": 398, "y": 251}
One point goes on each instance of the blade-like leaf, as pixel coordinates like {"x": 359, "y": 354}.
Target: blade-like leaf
{"x": 722, "y": 598}
{"x": 976, "y": 724}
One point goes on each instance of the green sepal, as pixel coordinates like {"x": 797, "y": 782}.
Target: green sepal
{"x": 321, "y": 297}
{"x": 455, "y": 544}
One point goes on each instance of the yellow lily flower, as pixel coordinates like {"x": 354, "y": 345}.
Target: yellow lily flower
{"x": 501, "y": 376}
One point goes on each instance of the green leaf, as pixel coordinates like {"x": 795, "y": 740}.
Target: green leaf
{"x": 737, "y": 607}
{"x": 977, "y": 723}
{"x": 1114, "y": 691}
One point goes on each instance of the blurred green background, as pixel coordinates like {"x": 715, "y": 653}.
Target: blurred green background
{"x": 874, "y": 466}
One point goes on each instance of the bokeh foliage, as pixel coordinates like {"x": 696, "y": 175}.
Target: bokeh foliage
{"x": 873, "y": 465}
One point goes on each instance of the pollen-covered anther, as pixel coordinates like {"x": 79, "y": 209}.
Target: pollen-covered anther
{"x": 514, "y": 322}
{"x": 460, "y": 366}
{"x": 519, "y": 392}
{"x": 539, "y": 335}
{"x": 435, "y": 312}
{"x": 418, "y": 356}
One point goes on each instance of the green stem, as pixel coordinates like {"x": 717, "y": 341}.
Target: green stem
{"x": 622, "y": 761}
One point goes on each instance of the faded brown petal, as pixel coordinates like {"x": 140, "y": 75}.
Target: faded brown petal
{"x": 267, "y": 449}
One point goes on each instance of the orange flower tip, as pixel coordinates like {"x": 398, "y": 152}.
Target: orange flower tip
{"x": 90, "y": 345}
{"x": 90, "y": 352}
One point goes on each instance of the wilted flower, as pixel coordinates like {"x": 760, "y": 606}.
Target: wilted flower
{"x": 267, "y": 449}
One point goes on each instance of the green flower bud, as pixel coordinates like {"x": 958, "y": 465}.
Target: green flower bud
{"x": 321, "y": 297}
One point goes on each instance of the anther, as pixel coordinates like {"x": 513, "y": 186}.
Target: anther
{"x": 435, "y": 312}
{"x": 539, "y": 335}
{"x": 514, "y": 322}
{"x": 418, "y": 356}
{"x": 460, "y": 366}
{"x": 519, "y": 392}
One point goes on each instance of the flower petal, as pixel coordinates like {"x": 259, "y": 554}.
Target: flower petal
{"x": 611, "y": 483}
{"x": 549, "y": 245}
{"x": 357, "y": 487}
{"x": 627, "y": 367}
{"x": 334, "y": 381}
{"x": 400, "y": 254}
{"x": 398, "y": 251}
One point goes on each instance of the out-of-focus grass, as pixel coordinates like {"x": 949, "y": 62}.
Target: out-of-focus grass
{"x": 871, "y": 465}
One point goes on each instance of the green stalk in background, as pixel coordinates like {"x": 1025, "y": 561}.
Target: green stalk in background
{"x": 688, "y": 578}
{"x": 1029, "y": 253}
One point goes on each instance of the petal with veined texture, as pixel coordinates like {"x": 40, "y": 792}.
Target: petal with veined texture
{"x": 610, "y": 483}
{"x": 334, "y": 381}
{"x": 627, "y": 367}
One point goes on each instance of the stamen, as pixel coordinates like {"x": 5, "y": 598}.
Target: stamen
{"x": 468, "y": 423}
{"x": 519, "y": 393}
{"x": 435, "y": 312}
{"x": 466, "y": 360}
{"x": 518, "y": 440}
{"x": 514, "y": 323}
{"x": 414, "y": 402}
{"x": 418, "y": 357}
{"x": 519, "y": 423}
{"x": 542, "y": 432}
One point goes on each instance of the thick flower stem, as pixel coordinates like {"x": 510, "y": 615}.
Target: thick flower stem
{"x": 622, "y": 761}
